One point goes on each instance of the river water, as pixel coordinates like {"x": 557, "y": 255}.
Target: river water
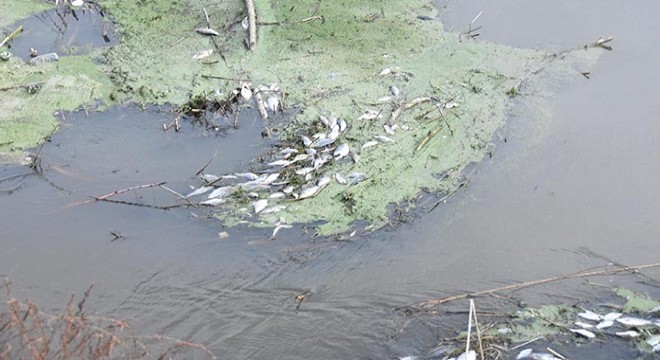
{"x": 570, "y": 185}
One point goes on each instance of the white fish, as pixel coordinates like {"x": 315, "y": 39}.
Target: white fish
{"x": 318, "y": 162}
{"x": 629, "y": 333}
{"x": 370, "y": 114}
{"x": 631, "y": 321}
{"x": 210, "y": 178}
{"x": 280, "y": 163}
{"x": 604, "y": 324}
{"x": 273, "y": 209}
{"x": 384, "y": 99}
{"x": 340, "y": 179}
{"x": 586, "y": 333}
{"x": 355, "y": 157}
{"x": 334, "y": 133}
{"x": 200, "y": 191}
{"x": 260, "y": 205}
{"x": 308, "y": 177}
{"x": 288, "y": 190}
{"x": 590, "y": 315}
{"x": 254, "y": 195}
{"x": 248, "y": 176}
{"x": 245, "y": 24}
{"x": 304, "y": 171}
{"x": 319, "y": 136}
{"x": 207, "y": 31}
{"x": 341, "y": 151}
{"x": 524, "y": 354}
{"x": 270, "y": 178}
{"x": 220, "y": 192}
{"x": 273, "y": 103}
{"x": 324, "y": 142}
{"x": 323, "y": 181}
{"x": 450, "y": 105}
{"x": 77, "y": 3}
{"x": 583, "y": 325}
{"x": 470, "y": 355}
{"x": 332, "y": 122}
{"x": 324, "y": 120}
{"x": 310, "y": 151}
{"x": 612, "y": 316}
{"x": 300, "y": 157}
{"x": 277, "y": 195}
{"x": 309, "y": 192}
{"x": 394, "y": 90}
{"x": 385, "y": 71}
{"x": 213, "y": 202}
{"x": 203, "y": 54}
{"x": 306, "y": 141}
{"x": 544, "y": 356}
{"x": 342, "y": 124}
{"x": 355, "y": 178}
{"x": 246, "y": 92}
{"x": 369, "y": 143}
{"x": 280, "y": 226}
{"x": 388, "y": 129}
{"x": 383, "y": 139}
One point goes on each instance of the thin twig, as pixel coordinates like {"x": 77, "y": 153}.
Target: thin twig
{"x": 610, "y": 270}
{"x": 473, "y": 308}
{"x": 287, "y": 22}
{"x": 208, "y": 25}
{"x": 224, "y": 78}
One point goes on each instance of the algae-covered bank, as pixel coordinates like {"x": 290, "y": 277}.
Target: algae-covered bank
{"x": 388, "y": 103}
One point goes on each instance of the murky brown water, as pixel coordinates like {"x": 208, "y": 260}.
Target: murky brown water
{"x": 566, "y": 187}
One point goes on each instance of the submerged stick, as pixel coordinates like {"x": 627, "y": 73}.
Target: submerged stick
{"x": 260, "y": 105}
{"x": 11, "y": 36}
{"x": 252, "y": 24}
{"x": 473, "y": 308}
{"x": 605, "y": 271}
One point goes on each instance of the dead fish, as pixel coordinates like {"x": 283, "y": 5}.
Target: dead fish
{"x": 248, "y": 176}
{"x": 369, "y": 143}
{"x": 340, "y": 179}
{"x": 590, "y": 315}
{"x": 277, "y": 195}
{"x": 310, "y": 152}
{"x": 273, "y": 103}
{"x": 341, "y": 151}
{"x": 324, "y": 143}
{"x": 273, "y": 209}
{"x": 384, "y": 99}
{"x": 384, "y": 139}
{"x": 220, "y": 192}
{"x": 355, "y": 157}
{"x": 332, "y": 122}
{"x": 254, "y": 195}
{"x": 309, "y": 192}
{"x": 246, "y": 92}
{"x": 628, "y": 334}
{"x": 280, "y": 225}
{"x": 389, "y": 129}
{"x": 213, "y": 202}
{"x": 318, "y": 162}
{"x": 334, "y": 133}
{"x": 342, "y": 124}
{"x": 370, "y": 114}
{"x": 207, "y": 31}
{"x": 582, "y": 332}
{"x": 300, "y": 157}
{"x": 524, "y": 354}
{"x": 308, "y": 177}
{"x": 323, "y": 181}
{"x": 355, "y": 178}
{"x": 631, "y": 321}
{"x": 209, "y": 178}
{"x": 288, "y": 190}
{"x": 260, "y": 205}
{"x": 583, "y": 325}
{"x": 203, "y": 54}
{"x": 324, "y": 120}
{"x": 245, "y": 24}
{"x": 280, "y": 163}
{"x": 450, "y": 105}
{"x": 200, "y": 191}
{"x": 304, "y": 171}
{"x": 319, "y": 136}
{"x": 306, "y": 141}
{"x": 612, "y": 316}
{"x": 385, "y": 71}
{"x": 543, "y": 356}
{"x": 604, "y": 324}
{"x": 394, "y": 90}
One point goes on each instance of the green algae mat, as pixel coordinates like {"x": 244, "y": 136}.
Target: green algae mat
{"x": 387, "y": 104}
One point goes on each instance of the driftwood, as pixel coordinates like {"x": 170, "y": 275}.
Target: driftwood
{"x": 11, "y": 36}
{"x": 609, "y": 270}
{"x": 252, "y": 24}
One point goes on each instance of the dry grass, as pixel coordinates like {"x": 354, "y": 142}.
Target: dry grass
{"x": 28, "y": 333}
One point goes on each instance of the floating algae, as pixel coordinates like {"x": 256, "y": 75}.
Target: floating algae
{"x": 350, "y": 57}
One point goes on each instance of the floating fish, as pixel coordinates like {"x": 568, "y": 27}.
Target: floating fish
{"x": 586, "y": 333}
{"x": 340, "y": 179}
{"x": 323, "y": 181}
{"x": 604, "y": 324}
{"x": 220, "y": 192}
{"x": 309, "y": 192}
{"x": 631, "y": 321}
{"x": 355, "y": 178}
{"x": 342, "y": 124}
{"x": 334, "y": 133}
{"x": 304, "y": 171}
{"x": 273, "y": 103}
{"x": 246, "y": 92}
{"x": 203, "y": 54}
{"x": 280, "y": 225}
{"x": 385, "y": 71}
{"x": 324, "y": 120}
{"x": 310, "y": 151}
{"x": 280, "y": 163}
{"x": 383, "y": 139}
{"x": 341, "y": 151}
{"x": 612, "y": 316}
{"x": 370, "y": 114}
{"x": 394, "y": 90}
{"x": 524, "y": 354}
{"x": 288, "y": 190}
{"x": 389, "y": 129}
{"x": 270, "y": 178}
{"x": 369, "y": 143}
{"x": 245, "y": 24}
{"x": 306, "y": 141}
{"x": 277, "y": 195}
{"x": 288, "y": 151}
{"x": 254, "y": 195}
{"x": 207, "y": 31}
{"x": 544, "y": 356}
{"x": 332, "y": 122}
{"x": 210, "y": 178}
{"x": 590, "y": 315}
{"x": 260, "y": 205}
{"x": 200, "y": 191}
{"x": 318, "y": 162}
{"x": 583, "y": 325}
{"x": 470, "y": 355}
{"x": 324, "y": 142}
{"x": 319, "y": 136}
{"x": 300, "y": 157}
{"x": 384, "y": 99}
{"x": 273, "y": 209}
{"x": 628, "y": 334}
{"x": 248, "y": 176}
{"x": 213, "y": 202}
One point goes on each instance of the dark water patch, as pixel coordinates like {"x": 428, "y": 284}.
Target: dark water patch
{"x": 65, "y": 31}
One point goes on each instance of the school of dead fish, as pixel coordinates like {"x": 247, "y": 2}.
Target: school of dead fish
{"x": 303, "y": 162}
